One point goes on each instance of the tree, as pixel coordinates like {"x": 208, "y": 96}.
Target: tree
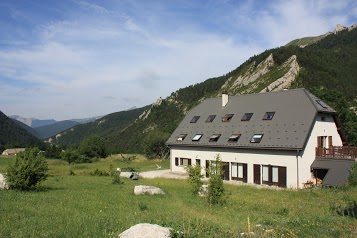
{"x": 28, "y": 170}
{"x": 215, "y": 183}
{"x": 194, "y": 178}
{"x": 92, "y": 147}
{"x": 155, "y": 146}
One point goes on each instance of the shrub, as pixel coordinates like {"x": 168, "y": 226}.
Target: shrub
{"x": 98, "y": 172}
{"x": 28, "y": 170}
{"x": 352, "y": 177}
{"x": 73, "y": 156}
{"x": 92, "y": 147}
{"x": 215, "y": 193}
{"x": 116, "y": 176}
{"x": 194, "y": 178}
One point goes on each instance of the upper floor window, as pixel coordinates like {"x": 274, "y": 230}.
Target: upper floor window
{"x": 227, "y": 117}
{"x": 233, "y": 138}
{"x": 197, "y": 137}
{"x": 214, "y": 138}
{"x": 210, "y": 118}
{"x": 247, "y": 116}
{"x": 256, "y": 138}
{"x": 181, "y": 137}
{"x": 268, "y": 115}
{"x": 195, "y": 119}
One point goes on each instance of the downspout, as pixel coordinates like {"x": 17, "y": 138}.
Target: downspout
{"x": 297, "y": 168}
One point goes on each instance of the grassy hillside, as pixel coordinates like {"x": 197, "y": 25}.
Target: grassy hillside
{"x": 91, "y": 206}
{"x": 327, "y": 69}
{"x": 12, "y": 135}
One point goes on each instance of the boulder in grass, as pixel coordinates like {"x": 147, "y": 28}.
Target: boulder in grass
{"x": 146, "y": 230}
{"x": 143, "y": 189}
{"x": 3, "y": 184}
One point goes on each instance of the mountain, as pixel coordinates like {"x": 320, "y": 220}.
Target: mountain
{"x": 29, "y": 129}
{"x": 106, "y": 127}
{"x": 13, "y": 135}
{"x": 50, "y": 130}
{"x": 326, "y": 67}
{"x": 33, "y": 122}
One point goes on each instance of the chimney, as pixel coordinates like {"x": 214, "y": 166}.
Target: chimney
{"x": 224, "y": 99}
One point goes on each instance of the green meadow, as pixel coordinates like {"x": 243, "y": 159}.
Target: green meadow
{"x": 83, "y": 205}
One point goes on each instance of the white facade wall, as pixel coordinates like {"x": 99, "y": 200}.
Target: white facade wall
{"x": 297, "y": 163}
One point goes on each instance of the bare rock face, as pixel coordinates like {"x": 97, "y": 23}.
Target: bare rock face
{"x": 143, "y": 189}
{"x": 146, "y": 230}
{"x": 3, "y": 184}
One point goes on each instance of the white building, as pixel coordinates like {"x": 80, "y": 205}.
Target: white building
{"x": 278, "y": 138}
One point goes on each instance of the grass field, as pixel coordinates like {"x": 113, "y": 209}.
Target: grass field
{"x": 90, "y": 206}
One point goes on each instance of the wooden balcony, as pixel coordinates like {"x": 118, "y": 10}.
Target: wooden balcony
{"x": 343, "y": 152}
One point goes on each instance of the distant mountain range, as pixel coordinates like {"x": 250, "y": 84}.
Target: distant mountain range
{"x": 325, "y": 65}
{"x": 43, "y": 129}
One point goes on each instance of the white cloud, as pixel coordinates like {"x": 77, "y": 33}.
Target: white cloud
{"x": 100, "y": 60}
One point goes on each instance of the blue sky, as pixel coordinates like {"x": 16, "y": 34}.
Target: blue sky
{"x": 75, "y": 59}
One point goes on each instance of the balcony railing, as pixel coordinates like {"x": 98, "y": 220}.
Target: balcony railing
{"x": 345, "y": 152}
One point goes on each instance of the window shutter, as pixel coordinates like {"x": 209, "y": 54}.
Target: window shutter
{"x": 270, "y": 174}
{"x": 189, "y": 161}
{"x": 245, "y": 173}
{"x": 257, "y": 173}
{"x": 330, "y": 142}
{"x": 176, "y": 161}
{"x": 282, "y": 177}
{"x": 207, "y": 167}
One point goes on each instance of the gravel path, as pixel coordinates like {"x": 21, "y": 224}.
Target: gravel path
{"x": 165, "y": 173}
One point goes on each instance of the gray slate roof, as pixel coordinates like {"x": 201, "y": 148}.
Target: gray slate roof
{"x": 295, "y": 112}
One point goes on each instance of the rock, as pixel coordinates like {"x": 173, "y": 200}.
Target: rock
{"x": 146, "y": 230}
{"x": 143, "y": 189}
{"x": 3, "y": 184}
{"x": 203, "y": 190}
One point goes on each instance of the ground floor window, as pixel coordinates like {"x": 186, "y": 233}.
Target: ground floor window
{"x": 274, "y": 175}
{"x": 182, "y": 161}
{"x": 239, "y": 171}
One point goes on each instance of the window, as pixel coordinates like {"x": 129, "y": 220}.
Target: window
{"x": 274, "y": 175}
{"x": 247, "y": 116}
{"x": 210, "y": 118}
{"x": 182, "y": 161}
{"x": 195, "y": 119}
{"x": 321, "y": 103}
{"x": 256, "y": 138}
{"x": 239, "y": 171}
{"x": 268, "y": 115}
{"x": 227, "y": 117}
{"x": 181, "y": 137}
{"x": 233, "y": 138}
{"x": 197, "y": 137}
{"x": 214, "y": 138}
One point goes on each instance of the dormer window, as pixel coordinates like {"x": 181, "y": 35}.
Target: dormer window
{"x": 227, "y": 117}
{"x": 268, "y": 115}
{"x": 321, "y": 103}
{"x": 181, "y": 137}
{"x": 210, "y": 118}
{"x": 247, "y": 116}
{"x": 197, "y": 137}
{"x": 256, "y": 138}
{"x": 214, "y": 138}
{"x": 233, "y": 138}
{"x": 195, "y": 119}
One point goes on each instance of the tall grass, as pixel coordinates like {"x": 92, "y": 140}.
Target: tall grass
{"x": 91, "y": 206}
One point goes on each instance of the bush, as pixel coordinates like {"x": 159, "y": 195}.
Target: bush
{"x": 215, "y": 193}
{"x": 352, "y": 177}
{"x": 116, "y": 176}
{"x": 29, "y": 169}
{"x": 92, "y": 147}
{"x": 73, "y": 156}
{"x": 194, "y": 178}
